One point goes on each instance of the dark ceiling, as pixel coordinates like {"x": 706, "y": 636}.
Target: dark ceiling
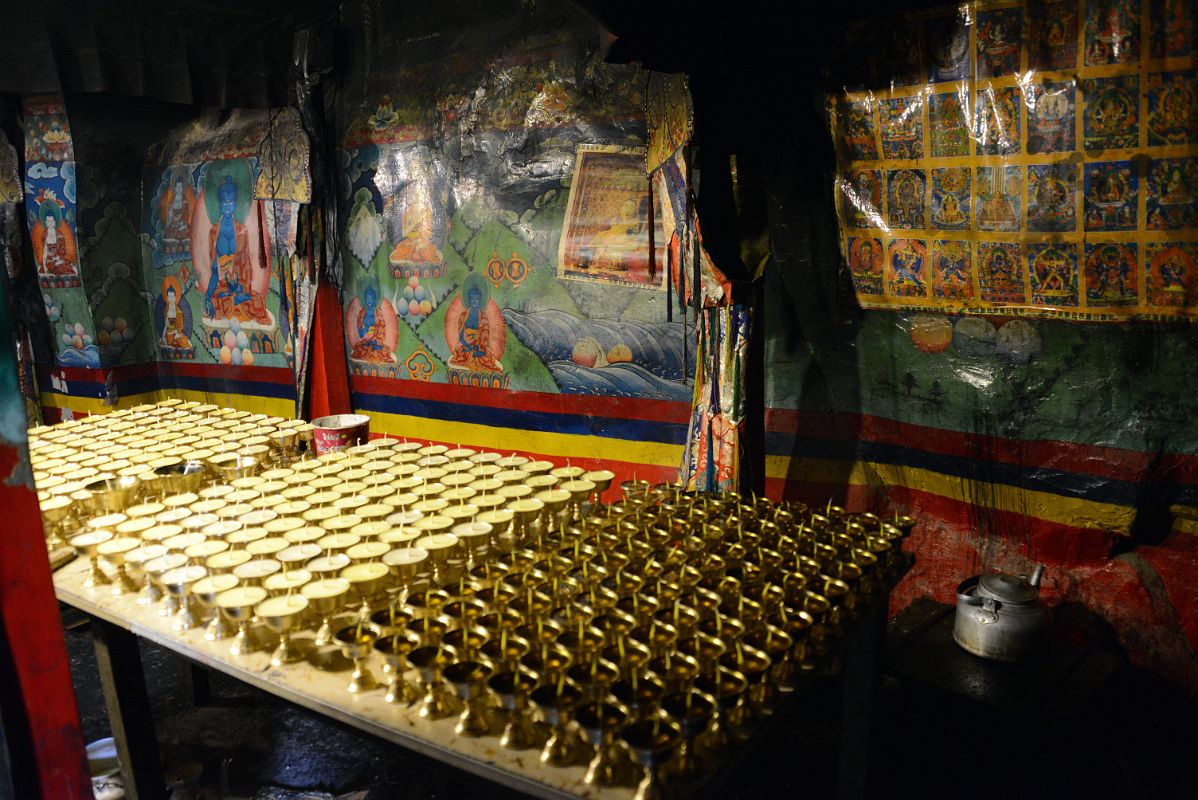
{"x": 228, "y": 53}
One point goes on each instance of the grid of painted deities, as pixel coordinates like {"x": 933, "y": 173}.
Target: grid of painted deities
{"x": 1038, "y": 160}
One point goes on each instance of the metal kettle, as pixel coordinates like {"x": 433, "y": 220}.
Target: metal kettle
{"x": 1001, "y": 616}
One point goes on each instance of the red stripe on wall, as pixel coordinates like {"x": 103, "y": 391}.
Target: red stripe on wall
{"x": 1108, "y": 462}
{"x": 613, "y": 407}
{"x": 124, "y": 372}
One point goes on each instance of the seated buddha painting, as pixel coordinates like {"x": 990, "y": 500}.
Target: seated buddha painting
{"x": 371, "y": 327}
{"x": 474, "y": 328}
{"x": 229, "y": 253}
{"x": 172, "y": 213}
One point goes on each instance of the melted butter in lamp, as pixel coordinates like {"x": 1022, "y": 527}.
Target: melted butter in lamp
{"x": 338, "y": 541}
{"x": 256, "y": 570}
{"x": 329, "y": 563}
{"x": 403, "y": 556}
{"x": 246, "y": 535}
{"x": 281, "y": 606}
{"x": 297, "y": 553}
{"x": 241, "y": 597}
{"x": 214, "y": 584}
{"x": 367, "y": 550}
{"x": 228, "y": 560}
{"x": 368, "y": 571}
{"x": 437, "y": 541}
{"x": 267, "y": 547}
{"x": 567, "y": 472}
{"x": 308, "y": 533}
{"x": 292, "y": 508}
{"x": 287, "y": 580}
{"x": 372, "y": 528}
{"x": 325, "y": 588}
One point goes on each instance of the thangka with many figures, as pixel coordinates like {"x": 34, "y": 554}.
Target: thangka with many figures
{"x": 1035, "y": 158}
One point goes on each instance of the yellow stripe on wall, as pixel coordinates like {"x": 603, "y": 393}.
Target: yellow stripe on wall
{"x": 274, "y": 406}
{"x": 564, "y": 445}
{"x": 1056, "y": 508}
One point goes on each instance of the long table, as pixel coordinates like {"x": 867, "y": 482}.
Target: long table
{"x": 319, "y": 685}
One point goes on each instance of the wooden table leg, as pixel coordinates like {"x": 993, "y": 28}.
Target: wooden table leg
{"x": 197, "y": 682}
{"x": 862, "y": 670}
{"x": 129, "y": 715}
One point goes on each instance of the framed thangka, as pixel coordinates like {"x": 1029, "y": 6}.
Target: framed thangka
{"x": 1046, "y": 164}
{"x": 605, "y": 236}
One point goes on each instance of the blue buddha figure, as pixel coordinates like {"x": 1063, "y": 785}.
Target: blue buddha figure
{"x": 229, "y": 294}
{"x": 371, "y": 327}
{"x": 472, "y": 348}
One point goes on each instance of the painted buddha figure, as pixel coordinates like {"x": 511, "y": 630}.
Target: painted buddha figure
{"x": 372, "y": 328}
{"x": 612, "y": 245}
{"x": 950, "y": 210}
{"x": 173, "y": 325}
{"x": 53, "y": 241}
{"x": 175, "y": 213}
{"x": 1112, "y": 113}
{"x": 230, "y": 294}
{"x": 416, "y": 248}
{"x": 1176, "y": 191}
{"x": 470, "y": 336}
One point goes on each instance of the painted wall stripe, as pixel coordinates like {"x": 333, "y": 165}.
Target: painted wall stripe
{"x": 252, "y": 403}
{"x": 1073, "y": 512}
{"x": 1087, "y": 459}
{"x": 1036, "y": 477}
{"x": 560, "y": 445}
{"x": 577, "y": 404}
{"x": 155, "y": 368}
{"x": 520, "y": 419}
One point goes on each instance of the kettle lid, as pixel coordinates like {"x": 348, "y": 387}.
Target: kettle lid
{"x": 1009, "y": 588}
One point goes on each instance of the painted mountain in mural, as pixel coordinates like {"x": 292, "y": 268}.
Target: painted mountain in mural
{"x": 617, "y": 380}
{"x": 656, "y": 347}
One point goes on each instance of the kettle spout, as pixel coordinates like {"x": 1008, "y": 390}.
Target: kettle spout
{"x": 1036, "y": 576}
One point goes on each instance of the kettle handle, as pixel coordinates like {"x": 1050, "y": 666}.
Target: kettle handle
{"x": 989, "y": 612}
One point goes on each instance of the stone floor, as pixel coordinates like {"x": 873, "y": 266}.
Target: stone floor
{"x": 1117, "y": 732}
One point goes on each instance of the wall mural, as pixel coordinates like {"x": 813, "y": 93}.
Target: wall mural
{"x": 1004, "y": 170}
{"x": 52, "y": 219}
{"x": 220, "y": 257}
{"x": 458, "y": 182}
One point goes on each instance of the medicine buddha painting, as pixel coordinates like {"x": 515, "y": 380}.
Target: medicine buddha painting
{"x": 371, "y": 327}
{"x": 228, "y": 250}
{"x": 474, "y": 328}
